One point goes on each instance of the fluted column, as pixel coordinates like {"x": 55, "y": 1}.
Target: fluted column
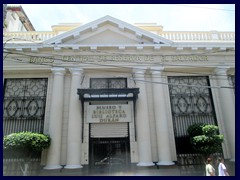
{"x": 74, "y": 122}
{"x": 55, "y": 122}
{"x": 227, "y": 103}
{"x": 160, "y": 115}
{"x": 142, "y": 122}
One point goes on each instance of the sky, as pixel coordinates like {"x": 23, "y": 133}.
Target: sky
{"x": 173, "y": 17}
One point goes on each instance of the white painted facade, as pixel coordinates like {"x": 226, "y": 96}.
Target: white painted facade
{"x": 110, "y": 48}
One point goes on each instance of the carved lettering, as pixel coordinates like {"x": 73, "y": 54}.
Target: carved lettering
{"x": 122, "y": 58}
{"x": 40, "y": 60}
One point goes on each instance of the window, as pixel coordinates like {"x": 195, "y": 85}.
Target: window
{"x": 108, "y": 83}
{"x": 189, "y": 105}
{"x": 24, "y": 105}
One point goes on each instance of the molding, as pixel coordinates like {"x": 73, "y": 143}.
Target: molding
{"x": 157, "y": 47}
{"x": 57, "y": 48}
{"x": 58, "y": 71}
{"x": 165, "y": 163}
{"x": 157, "y": 70}
{"x": 53, "y": 167}
{"x": 145, "y": 164}
{"x": 139, "y": 48}
{"x": 93, "y": 47}
{"x": 19, "y": 49}
{"x": 221, "y": 70}
{"x": 121, "y": 48}
{"x": 34, "y": 49}
{"x": 76, "y": 34}
{"x": 139, "y": 71}
{"x": 179, "y": 49}
{"x": 76, "y": 71}
{"x": 73, "y": 166}
{"x": 209, "y": 48}
{"x": 194, "y": 48}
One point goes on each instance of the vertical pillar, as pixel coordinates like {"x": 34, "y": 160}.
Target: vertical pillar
{"x": 142, "y": 122}
{"x": 228, "y": 109}
{"x": 74, "y": 122}
{"x": 55, "y": 122}
{"x": 160, "y": 115}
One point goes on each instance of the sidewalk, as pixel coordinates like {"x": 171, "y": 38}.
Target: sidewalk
{"x": 133, "y": 170}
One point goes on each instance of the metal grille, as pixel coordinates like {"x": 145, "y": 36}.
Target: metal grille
{"x": 108, "y": 83}
{"x": 24, "y": 105}
{"x": 109, "y": 152}
{"x": 189, "y": 105}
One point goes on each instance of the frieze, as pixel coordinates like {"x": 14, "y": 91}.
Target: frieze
{"x": 121, "y": 58}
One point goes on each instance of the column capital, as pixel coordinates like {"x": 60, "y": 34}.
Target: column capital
{"x": 139, "y": 70}
{"x": 157, "y": 69}
{"x": 76, "y": 71}
{"x": 58, "y": 71}
{"x": 221, "y": 70}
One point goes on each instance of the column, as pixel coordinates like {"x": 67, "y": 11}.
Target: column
{"x": 55, "y": 122}
{"x": 74, "y": 122}
{"x": 142, "y": 122}
{"x": 227, "y": 104}
{"x": 160, "y": 115}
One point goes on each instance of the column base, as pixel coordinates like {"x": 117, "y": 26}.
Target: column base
{"x": 71, "y": 166}
{"x": 165, "y": 163}
{"x": 145, "y": 164}
{"x": 232, "y": 159}
{"x": 53, "y": 167}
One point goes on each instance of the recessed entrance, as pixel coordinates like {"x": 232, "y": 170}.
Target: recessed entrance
{"x": 109, "y": 114}
{"x": 109, "y": 152}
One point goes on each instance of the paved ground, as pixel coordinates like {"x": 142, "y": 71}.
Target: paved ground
{"x": 133, "y": 170}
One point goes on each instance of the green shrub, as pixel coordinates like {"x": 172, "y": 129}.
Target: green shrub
{"x": 26, "y": 142}
{"x": 195, "y": 129}
{"x": 25, "y": 145}
{"x": 205, "y": 138}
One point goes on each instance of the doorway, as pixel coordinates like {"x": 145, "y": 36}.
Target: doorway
{"x": 109, "y": 152}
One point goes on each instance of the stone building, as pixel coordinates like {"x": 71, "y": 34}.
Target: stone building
{"x": 108, "y": 90}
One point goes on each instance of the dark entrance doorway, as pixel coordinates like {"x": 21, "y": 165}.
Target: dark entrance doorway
{"x": 109, "y": 152}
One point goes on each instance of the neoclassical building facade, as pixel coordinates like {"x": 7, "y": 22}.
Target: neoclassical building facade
{"x": 109, "y": 90}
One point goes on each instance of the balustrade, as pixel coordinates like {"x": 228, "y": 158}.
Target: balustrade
{"x": 39, "y": 36}
{"x": 31, "y": 36}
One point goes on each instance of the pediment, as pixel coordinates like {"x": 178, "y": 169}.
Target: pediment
{"x": 107, "y": 31}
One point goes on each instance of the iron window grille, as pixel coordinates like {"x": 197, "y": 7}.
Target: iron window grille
{"x": 189, "y": 105}
{"x": 108, "y": 83}
{"x": 24, "y": 105}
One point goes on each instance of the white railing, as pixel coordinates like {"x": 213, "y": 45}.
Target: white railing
{"x": 38, "y": 36}
{"x": 29, "y": 36}
{"x": 198, "y": 36}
